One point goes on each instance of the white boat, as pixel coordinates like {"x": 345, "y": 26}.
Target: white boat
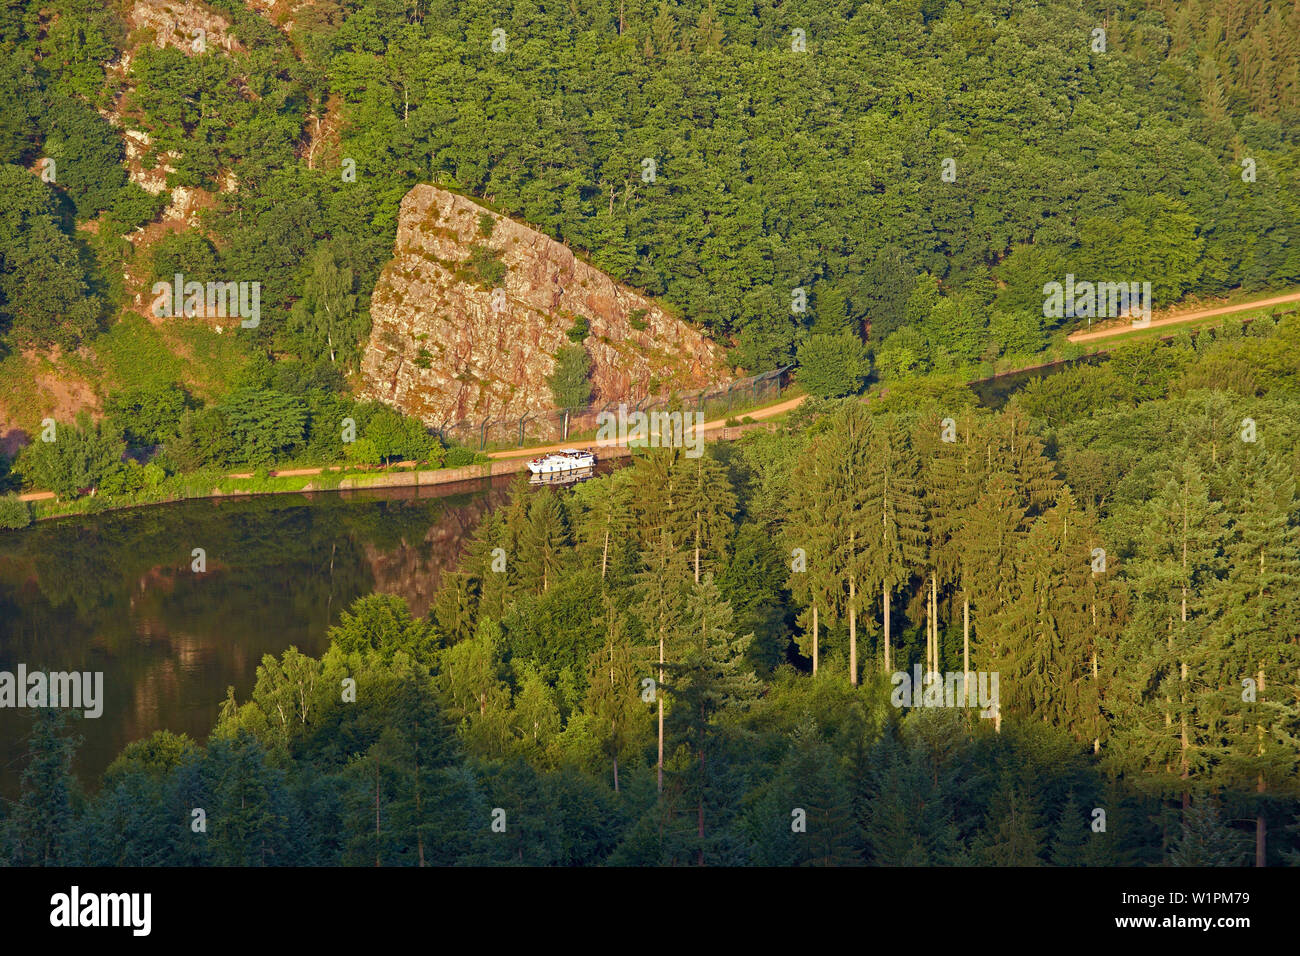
{"x": 568, "y": 459}
{"x": 563, "y": 477}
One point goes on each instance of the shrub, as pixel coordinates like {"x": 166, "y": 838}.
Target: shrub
{"x": 484, "y": 268}
{"x": 459, "y": 457}
{"x": 147, "y": 416}
{"x": 14, "y": 512}
{"x": 580, "y": 329}
{"x": 833, "y": 366}
{"x": 78, "y": 458}
{"x": 570, "y": 386}
{"x": 363, "y": 451}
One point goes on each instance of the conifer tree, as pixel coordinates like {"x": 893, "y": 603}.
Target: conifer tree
{"x": 601, "y": 524}
{"x": 893, "y": 510}
{"x": 706, "y": 676}
{"x": 1177, "y": 557}
{"x": 1013, "y": 834}
{"x": 1048, "y": 630}
{"x": 704, "y": 508}
{"x": 614, "y": 674}
{"x": 542, "y": 543}
{"x": 1205, "y": 840}
{"x": 661, "y": 606}
{"x": 953, "y": 476}
{"x": 811, "y": 538}
{"x": 1249, "y": 658}
{"x": 41, "y": 828}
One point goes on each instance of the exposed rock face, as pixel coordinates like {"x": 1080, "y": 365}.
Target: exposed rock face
{"x": 489, "y": 351}
{"x": 186, "y": 26}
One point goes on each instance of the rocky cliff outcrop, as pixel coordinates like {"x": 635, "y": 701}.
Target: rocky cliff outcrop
{"x": 456, "y": 337}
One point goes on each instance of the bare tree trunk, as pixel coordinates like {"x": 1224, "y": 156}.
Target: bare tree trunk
{"x": 965, "y": 635}
{"x": 853, "y": 633}
{"x": 853, "y": 618}
{"x": 927, "y": 630}
{"x": 934, "y": 619}
{"x": 884, "y": 604}
{"x": 659, "y": 698}
{"x": 1261, "y": 825}
{"x": 604, "y": 555}
{"x": 697, "y": 547}
{"x": 1182, "y": 669}
{"x": 815, "y": 636}
{"x": 1096, "y": 741}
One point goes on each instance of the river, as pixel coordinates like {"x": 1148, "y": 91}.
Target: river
{"x": 116, "y": 593}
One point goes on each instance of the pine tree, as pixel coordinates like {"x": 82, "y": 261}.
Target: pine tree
{"x": 817, "y": 786}
{"x": 833, "y": 480}
{"x": 601, "y": 524}
{"x": 1205, "y": 840}
{"x": 543, "y": 542}
{"x": 810, "y": 539}
{"x": 1048, "y": 630}
{"x": 1012, "y": 834}
{"x": 893, "y": 510}
{"x": 614, "y": 674}
{"x": 41, "y": 828}
{"x": 704, "y": 508}
{"x": 661, "y": 606}
{"x": 1070, "y": 835}
{"x": 706, "y": 676}
{"x": 1251, "y": 737}
{"x": 455, "y": 606}
{"x": 1157, "y": 696}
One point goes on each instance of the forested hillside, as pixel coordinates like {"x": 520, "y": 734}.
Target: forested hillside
{"x": 730, "y": 159}
{"x": 697, "y": 660}
{"x": 759, "y": 600}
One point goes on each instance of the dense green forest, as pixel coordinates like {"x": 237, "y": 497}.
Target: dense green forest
{"x": 917, "y": 168}
{"x": 514, "y": 723}
{"x": 692, "y": 660}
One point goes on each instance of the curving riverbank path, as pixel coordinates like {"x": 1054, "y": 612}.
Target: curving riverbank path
{"x": 1178, "y": 318}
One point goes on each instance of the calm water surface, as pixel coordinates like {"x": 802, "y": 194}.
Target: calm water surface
{"x": 115, "y": 593}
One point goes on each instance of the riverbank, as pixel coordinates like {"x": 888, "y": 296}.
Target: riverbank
{"x": 45, "y": 505}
